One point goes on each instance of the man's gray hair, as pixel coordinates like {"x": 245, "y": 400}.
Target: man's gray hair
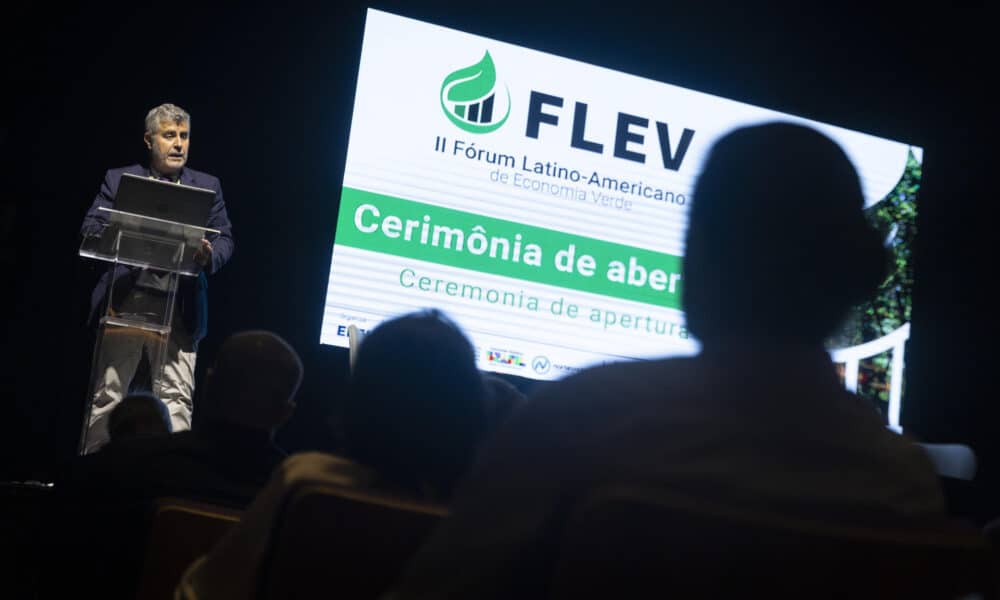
{"x": 166, "y": 112}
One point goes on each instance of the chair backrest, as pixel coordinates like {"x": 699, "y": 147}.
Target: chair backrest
{"x": 622, "y": 541}
{"x": 331, "y": 541}
{"x": 181, "y": 531}
{"x": 957, "y": 461}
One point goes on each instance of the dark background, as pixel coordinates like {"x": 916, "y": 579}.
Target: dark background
{"x": 270, "y": 90}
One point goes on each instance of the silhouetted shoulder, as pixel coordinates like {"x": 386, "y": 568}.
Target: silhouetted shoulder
{"x": 615, "y": 388}
{"x": 201, "y": 179}
{"x": 623, "y": 375}
{"x": 135, "y": 169}
{"x": 114, "y": 175}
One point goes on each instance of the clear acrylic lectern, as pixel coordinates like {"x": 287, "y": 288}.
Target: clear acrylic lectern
{"x": 165, "y": 250}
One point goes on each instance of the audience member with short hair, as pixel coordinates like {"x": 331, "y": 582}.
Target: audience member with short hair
{"x": 138, "y": 415}
{"x": 230, "y": 452}
{"x": 226, "y": 458}
{"x": 413, "y": 420}
{"x": 415, "y": 410}
{"x": 777, "y": 252}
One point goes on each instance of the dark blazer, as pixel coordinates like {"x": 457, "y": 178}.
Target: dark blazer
{"x": 192, "y": 296}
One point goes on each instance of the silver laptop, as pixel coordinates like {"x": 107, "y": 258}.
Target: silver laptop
{"x": 164, "y": 200}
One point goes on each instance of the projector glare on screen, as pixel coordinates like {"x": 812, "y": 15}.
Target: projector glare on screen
{"x": 542, "y": 203}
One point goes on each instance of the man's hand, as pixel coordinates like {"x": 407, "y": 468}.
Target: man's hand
{"x": 203, "y": 255}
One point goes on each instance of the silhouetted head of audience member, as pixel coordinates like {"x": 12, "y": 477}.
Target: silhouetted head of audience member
{"x": 139, "y": 414}
{"x": 252, "y": 383}
{"x": 501, "y": 401}
{"x": 415, "y": 409}
{"x": 778, "y": 248}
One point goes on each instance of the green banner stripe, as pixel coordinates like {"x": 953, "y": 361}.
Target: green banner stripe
{"x": 381, "y": 223}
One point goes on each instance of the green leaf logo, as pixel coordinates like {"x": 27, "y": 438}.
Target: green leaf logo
{"x": 469, "y": 98}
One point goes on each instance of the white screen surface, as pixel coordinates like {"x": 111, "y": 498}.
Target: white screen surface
{"x": 541, "y": 202}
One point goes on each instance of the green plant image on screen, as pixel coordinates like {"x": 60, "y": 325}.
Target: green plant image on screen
{"x": 895, "y": 218}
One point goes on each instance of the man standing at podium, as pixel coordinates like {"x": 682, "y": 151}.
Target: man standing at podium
{"x": 122, "y": 353}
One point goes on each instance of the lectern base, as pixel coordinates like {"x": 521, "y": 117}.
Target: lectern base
{"x": 117, "y": 357}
